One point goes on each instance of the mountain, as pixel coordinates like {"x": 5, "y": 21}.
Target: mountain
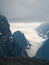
{"x": 9, "y": 47}
{"x": 4, "y": 26}
{"x": 17, "y": 45}
{"x": 43, "y": 29}
{"x": 21, "y": 39}
{"x": 43, "y": 51}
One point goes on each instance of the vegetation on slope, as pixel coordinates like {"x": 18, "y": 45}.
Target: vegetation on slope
{"x": 22, "y": 61}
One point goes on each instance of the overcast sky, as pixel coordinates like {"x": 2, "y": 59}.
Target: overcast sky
{"x": 33, "y": 10}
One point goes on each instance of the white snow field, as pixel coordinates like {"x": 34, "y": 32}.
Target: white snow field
{"x": 28, "y": 29}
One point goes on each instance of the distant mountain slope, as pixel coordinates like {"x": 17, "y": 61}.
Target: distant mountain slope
{"x": 43, "y": 51}
{"x": 43, "y": 29}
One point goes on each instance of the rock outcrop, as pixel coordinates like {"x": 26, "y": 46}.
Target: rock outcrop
{"x": 9, "y": 47}
{"x": 43, "y": 52}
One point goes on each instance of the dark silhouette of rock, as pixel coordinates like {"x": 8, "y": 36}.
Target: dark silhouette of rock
{"x": 21, "y": 39}
{"x": 9, "y": 47}
{"x": 43, "y": 29}
{"x": 5, "y": 36}
{"x": 43, "y": 51}
{"x": 4, "y": 28}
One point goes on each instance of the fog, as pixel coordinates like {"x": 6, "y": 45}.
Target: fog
{"x": 28, "y": 29}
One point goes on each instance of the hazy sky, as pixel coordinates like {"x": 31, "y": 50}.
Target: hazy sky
{"x": 33, "y": 10}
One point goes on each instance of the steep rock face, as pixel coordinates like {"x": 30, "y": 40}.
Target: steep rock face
{"x": 8, "y": 46}
{"x": 4, "y": 26}
{"x": 5, "y": 36}
{"x": 5, "y": 32}
{"x": 20, "y": 38}
{"x": 43, "y": 51}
